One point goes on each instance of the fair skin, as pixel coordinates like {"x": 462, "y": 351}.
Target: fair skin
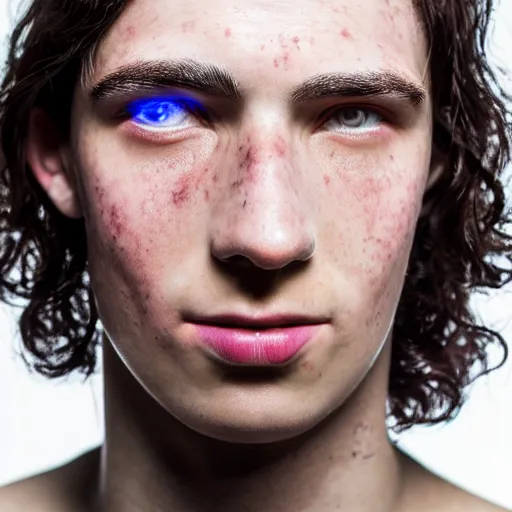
{"x": 273, "y": 202}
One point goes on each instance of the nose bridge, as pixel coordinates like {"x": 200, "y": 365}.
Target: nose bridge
{"x": 263, "y": 215}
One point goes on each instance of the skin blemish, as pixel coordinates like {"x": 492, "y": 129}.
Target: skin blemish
{"x": 280, "y": 147}
{"x": 327, "y": 180}
{"x": 244, "y": 204}
{"x": 276, "y": 63}
{"x": 115, "y": 222}
{"x": 296, "y": 41}
{"x": 262, "y": 47}
{"x": 248, "y": 162}
{"x": 182, "y": 191}
{"x": 188, "y": 27}
{"x": 227, "y": 32}
{"x": 308, "y": 366}
{"x": 130, "y": 32}
{"x": 345, "y": 33}
{"x": 237, "y": 183}
{"x": 206, "y": 195}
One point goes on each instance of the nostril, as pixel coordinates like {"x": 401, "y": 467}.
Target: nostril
{"x": 238, "y": 261}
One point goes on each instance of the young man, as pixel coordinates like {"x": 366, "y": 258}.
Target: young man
{"x": 278, "y": 211}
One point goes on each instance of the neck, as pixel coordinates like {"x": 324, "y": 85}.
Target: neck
{"x": 150, "y": 461}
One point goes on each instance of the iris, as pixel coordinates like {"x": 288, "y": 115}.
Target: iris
{"x": 162, "y": 112}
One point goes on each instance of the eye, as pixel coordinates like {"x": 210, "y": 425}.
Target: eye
{"x": 163, "y": 113}
{"x": 353, "y": 119}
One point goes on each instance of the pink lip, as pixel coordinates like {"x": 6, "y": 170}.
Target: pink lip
{"x": 256, "y": 346}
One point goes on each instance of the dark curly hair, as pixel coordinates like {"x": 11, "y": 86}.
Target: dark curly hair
{"x": 460, "y": 243}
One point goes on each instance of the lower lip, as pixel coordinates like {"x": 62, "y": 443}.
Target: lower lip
{"x": 251, "y": 347}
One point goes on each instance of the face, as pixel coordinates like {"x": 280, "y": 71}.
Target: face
{"x": 251, "y": 175}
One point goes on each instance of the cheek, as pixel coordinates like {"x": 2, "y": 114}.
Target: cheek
{"x": 144, "y": 204}
{"x": 374, "y": 199}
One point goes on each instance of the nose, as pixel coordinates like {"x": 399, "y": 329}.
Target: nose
{"x": 263, "y": 216}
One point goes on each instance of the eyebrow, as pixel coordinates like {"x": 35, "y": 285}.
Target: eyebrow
{"x": 216, "y": 81}
{"x": 360, "y": 84}
{"x": 189, "y": 74}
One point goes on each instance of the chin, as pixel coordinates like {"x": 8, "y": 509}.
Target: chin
{"x": 253, "y": 422}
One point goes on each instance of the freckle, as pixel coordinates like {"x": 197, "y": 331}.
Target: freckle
{"x": 245, "y": 204}
{"x": 392, "y": 158}
{"x": 327, "y": 180}
{"x": 332, "y": 154}
{"x": 227, "y": 32}
{"x": 345, "y": 33}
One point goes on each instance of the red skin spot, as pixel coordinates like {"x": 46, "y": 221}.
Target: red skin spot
{"x": 276, "y": 63}
{"x": 206, "y": 195}
{"x": 130, "y": 31}
{"x": 280, "y": 147}
{"x": 115, "y": 221}
{"x": 248, "y": 162}
{"x": 308, "y": 366}
{"x": 296, "y": 41}
{"x": 227, "y": 32}
{"x": 188, "y": 27}
{"x": 327, "y": 180}
{"x": 181, "y": 194}
{"x": 345, "y": 33}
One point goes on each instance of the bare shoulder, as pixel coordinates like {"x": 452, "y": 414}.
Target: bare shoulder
{"x": 60, "y": 490}
{"x": 427, "y": 492}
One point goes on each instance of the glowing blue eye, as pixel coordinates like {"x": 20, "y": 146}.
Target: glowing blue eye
{"x": 161, "y": 112}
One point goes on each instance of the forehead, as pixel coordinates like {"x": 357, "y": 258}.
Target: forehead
{"x": 277, "y": 41}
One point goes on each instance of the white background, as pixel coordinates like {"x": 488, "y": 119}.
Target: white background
{"x": 45, "y": 423}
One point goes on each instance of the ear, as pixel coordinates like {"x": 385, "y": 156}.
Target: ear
{"x": 438, "y": 163}
{"x": 46, "y": 156}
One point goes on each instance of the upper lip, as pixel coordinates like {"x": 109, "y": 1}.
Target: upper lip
{"x": 256, "y": 321}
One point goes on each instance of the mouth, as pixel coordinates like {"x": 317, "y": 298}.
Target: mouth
{"x": 274, "y": 340}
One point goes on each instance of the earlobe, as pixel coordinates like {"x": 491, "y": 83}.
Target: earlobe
{"x": 45, "y": 156}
